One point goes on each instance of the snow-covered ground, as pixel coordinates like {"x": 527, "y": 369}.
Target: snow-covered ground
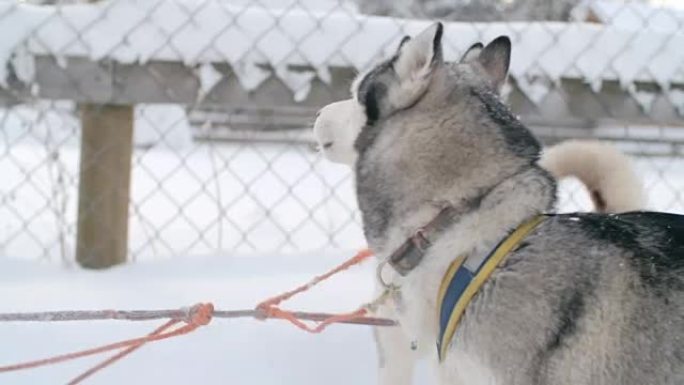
{"x": 239, "y": 352}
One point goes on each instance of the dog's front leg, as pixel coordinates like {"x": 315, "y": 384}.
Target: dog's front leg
{"x": 396, "y": 354}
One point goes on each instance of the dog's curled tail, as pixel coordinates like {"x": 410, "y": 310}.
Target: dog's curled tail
{"x": 606, "y": 172}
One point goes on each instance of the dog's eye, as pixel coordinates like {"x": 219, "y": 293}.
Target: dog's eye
{"x": 327, "y": 145}
{"x": 318, "y": 113}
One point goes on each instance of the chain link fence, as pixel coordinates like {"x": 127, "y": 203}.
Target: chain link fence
{"x": 218, "y": 98}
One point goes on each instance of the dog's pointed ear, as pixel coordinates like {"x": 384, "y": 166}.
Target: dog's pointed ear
{"x": 495, "y": 58}
{"x": 472, "y": 53}
{"x": 417, "y": 57}
{"x": 403, "y": 41}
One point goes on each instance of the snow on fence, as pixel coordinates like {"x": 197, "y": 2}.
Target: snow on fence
{"x": 217, "y": 98}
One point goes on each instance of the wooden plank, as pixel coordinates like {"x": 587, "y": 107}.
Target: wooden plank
{"x": 85, "y": 81}
{"x": 104, "y": 185}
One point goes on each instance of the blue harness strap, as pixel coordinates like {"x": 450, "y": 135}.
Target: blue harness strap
{"x": 460, "y": 284}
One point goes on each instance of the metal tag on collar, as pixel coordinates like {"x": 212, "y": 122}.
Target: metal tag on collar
{"x": 412, "y": 251}
{"x": 409, "y": 255}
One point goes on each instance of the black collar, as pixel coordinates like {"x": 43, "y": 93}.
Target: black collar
{"x": 411, "y": 252}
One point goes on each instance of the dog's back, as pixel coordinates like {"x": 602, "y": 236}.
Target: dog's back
{"x": 607, "y": 292}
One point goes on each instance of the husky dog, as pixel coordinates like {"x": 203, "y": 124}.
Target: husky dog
{"x": 584, "y": 299}
{"x": 606, "y": 172}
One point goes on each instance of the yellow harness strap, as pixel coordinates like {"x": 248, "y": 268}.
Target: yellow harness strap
{"x": 459, "y": 284}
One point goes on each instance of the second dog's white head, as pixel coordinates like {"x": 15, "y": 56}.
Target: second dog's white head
{"x": 336, "y": 128}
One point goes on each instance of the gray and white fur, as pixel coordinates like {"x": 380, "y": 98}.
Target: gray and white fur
{"x": 586, "y": 299}
{"x": 608, "y": 174}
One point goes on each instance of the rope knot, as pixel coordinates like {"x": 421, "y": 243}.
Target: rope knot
{"x": 200, "y": 314}
{"x": 264, "y": 311}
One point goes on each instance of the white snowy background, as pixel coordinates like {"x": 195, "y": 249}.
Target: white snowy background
{"x": 42, "y": 142}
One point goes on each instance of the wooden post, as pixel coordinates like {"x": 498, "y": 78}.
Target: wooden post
{"x": 104, "y": 185}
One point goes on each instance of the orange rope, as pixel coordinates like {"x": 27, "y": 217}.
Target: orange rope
{"x": 197, "y": 316}
{"x": 201, "y": 315}
{"x": 270, "y": 308}
{"x": 118, "y": 356}
{"x": 355, "y": 260}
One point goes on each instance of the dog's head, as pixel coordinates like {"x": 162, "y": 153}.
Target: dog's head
{"x": 338, "y": 124}
{"x": 425, "y": 130}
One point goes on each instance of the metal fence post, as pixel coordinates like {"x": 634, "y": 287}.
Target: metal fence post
{"x": 104, "y": 185}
